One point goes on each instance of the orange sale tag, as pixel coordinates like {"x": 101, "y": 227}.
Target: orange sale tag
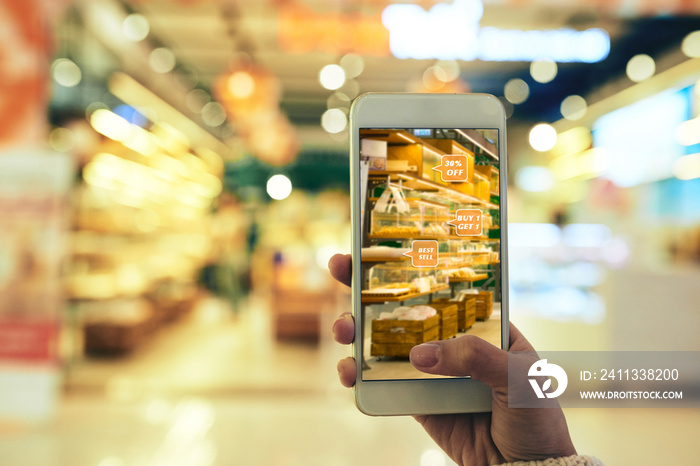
{"x": 467, "y": 222}
{"x": 453, "y": 168}
{"x": 424, "y": 253}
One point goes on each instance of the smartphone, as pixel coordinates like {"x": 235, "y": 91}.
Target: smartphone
{"x": 429, "y": 243}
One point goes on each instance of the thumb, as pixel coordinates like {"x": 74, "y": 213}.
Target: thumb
{"x": 467, "y": 355}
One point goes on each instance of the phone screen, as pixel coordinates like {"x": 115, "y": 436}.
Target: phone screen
{"x": 430, "y": 236}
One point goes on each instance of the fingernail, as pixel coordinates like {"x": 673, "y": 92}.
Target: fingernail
{"x": 425, "y": 355}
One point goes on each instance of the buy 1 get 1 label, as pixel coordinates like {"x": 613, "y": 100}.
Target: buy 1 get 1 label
{"x": 468, "y": 222}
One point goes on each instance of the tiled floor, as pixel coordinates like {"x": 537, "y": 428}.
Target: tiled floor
{"x": 217, "y": 390}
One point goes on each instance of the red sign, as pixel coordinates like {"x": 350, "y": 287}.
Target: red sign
{"x": 29, "y": 341}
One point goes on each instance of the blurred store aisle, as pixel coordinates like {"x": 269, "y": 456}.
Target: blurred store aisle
{"x": 215, "y": 388}
{"x": 212, "y": 351}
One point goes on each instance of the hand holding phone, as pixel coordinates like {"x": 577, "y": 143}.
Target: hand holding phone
{"x": 474, "y": 438}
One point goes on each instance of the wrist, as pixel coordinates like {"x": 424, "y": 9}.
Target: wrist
{"x": 574, "y": 460}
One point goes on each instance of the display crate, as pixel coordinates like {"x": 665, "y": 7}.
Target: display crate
{"x": 484, "y": 304}
{"x": 392, "y": 337}
{"x": 448, "y": 318}
{"x": 466, "y": 310}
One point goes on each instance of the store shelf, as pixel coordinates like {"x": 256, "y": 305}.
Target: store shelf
{"x": 400, "y": 298}
{"x": 420, "y": 184}
{"x": 435, "y": 237}
{"x": 478, "y": 140}
{"x": 475, "y": 278}
{"x": 385, "y": 259}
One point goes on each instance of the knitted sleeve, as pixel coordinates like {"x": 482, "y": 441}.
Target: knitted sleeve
{"x": 574, "y": 460}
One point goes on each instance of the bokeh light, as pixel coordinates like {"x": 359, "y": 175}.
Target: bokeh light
{"x": 688, "y": 132}
{"x": 542, "y": 137}
{"x": 573, "y": 107}
{"x": 691, "y": 45}
{"x": 334, "y": 120}
{"x": 62, "y": 139}
{"x": 213, "y": 114}
{"x": 279, "y": 187}
{"x": 135, "y": 27}
{"x": 516, "y": 91}
{"x": 451, "y": 69}
{"x": 352, "y": 64}
{"x": 543, "y": 70}
{"x": 641, "y": 67}
{"x": 241, "y": 84}
{"x": 66, "y": 73}
{"x": 332, "y": 77}
{"x": 687, "y": 167}
{"x": 162, "y": 60}
{"x": 434, "y": 78}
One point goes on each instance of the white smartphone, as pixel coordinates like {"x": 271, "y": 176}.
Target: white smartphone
{"x": 429, "y": 243}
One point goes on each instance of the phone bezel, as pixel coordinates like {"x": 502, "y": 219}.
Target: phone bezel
{"x": 400, "y": 110}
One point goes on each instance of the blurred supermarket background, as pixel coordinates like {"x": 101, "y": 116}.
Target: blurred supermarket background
{"x": 174, "y": 178}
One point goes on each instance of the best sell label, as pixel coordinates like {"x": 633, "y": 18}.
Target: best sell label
{"x": 424, "y": 253}
{"x": 453, "y": 168}
{"x": 467, "y": 222}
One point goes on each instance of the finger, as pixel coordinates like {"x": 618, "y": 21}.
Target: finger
{"x": 517, "y": 341}
{"x": 347, "y": 371}
{"x": 344, "y": 329}
{"x": 340, "y": 266}
{"x": 467, "y": 355}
